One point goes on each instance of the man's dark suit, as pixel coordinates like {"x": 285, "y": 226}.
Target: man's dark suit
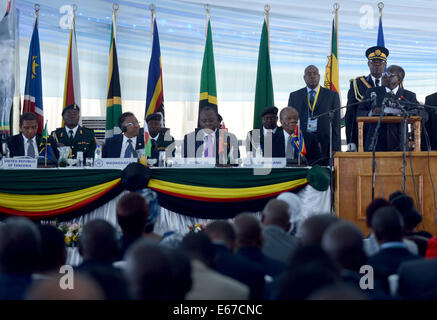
{"x": 356, "y": 93}
{"x": 389, "y": 138}
{"x": 112, "y": 146}
{"x": 84, "y": 140}
{"x": 162, "y": 143}
{"x": 327, "y": 100}
{"x": 418, "y": 279}
{"x": 387, "y": 261}
{"x": 252, "y": 141}
{"x": 431, "y": 125}
{"x": 16, "y": 145}
{"x": 194, "y": 148}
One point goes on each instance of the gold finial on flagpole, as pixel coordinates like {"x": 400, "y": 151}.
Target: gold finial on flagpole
{"x": 152, "y": 12}
{"x": 36, "y": 7}
{"x": 380, "y": 6}
{"x": 208, "y": 11}
{"x": 336, "y": 7}
{"x": 115, "y": 6}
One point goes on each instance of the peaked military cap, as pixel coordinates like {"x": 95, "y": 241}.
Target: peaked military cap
{"x": 377, "y": 52}
{"x": 269, "y": 110}
{"x": 71, "y": 106}
{"x": 153, "y": 116}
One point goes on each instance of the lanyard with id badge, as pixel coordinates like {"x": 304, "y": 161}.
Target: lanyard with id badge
{"x": 312, "y": 123}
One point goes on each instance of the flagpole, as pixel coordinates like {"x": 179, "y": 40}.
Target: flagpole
{"x": 45, "y": 156}
{"x": 380, "y": 7}
{"x": 152, "y": 13}
{"x": 267, "y": 13}
{"x": 36, "y": 7}
{"x": 208, "y": 15}
{"x": 115, "y": 7}
{"x": 298, "y": 139}
{"x": 336, "y": 8}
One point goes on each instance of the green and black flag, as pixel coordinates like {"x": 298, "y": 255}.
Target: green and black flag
{"x": 113, "y": 101}
{"x": 208, "y": 90}
{"x": 264, "y": 85}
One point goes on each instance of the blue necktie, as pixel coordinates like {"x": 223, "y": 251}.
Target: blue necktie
{"x": 129, "y": 149}
{"x": 312, "y": 93}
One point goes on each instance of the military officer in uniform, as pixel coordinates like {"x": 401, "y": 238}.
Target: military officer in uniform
{"x": 73, "y": 135}
{"x": 377, "y": 62}
{"x": 160, "y": 137}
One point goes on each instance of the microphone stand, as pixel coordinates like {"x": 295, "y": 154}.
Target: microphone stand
{"x": 373, "y": 148}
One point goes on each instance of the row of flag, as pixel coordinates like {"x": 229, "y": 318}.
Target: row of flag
{"x": 264, "y": 96}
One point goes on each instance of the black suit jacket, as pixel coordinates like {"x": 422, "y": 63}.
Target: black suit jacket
{"x": 366, "y": 107}
{"x": 431, "y": 125}
{"x": 193, "y": 147}
{"x": 418, "y": 279}
{"x": 252, "y": 142}
{"x": 356, "y": 93}
{"x": 162, "y": 143}
{"x": 16, "y": 145}
{"x": 327, "y": 100}
{"x": 112, "y": 146}
{"x": 311, "y": 146}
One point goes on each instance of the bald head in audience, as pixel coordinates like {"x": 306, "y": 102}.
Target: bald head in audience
{"x": 20, "y": 245}
{"x": 276, "y": 213}
{"x": 222, "y": 232}
{"x": 311, "y": 230}
{"x": 343, "y": 241}
{"x": 98, "y": 241}
{"x": 148, "y": 271}
{"x": 84, "y": 288}
{"x": 249, "y": 231}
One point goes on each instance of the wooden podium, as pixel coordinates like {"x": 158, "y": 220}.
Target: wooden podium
{"x": 353, "y": 183}
{"x": 415, "y": 120}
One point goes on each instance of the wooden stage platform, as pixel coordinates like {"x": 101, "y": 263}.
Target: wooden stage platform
{"x": 353, "y": 183}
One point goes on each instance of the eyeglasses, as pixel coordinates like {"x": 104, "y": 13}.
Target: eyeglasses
{"x": 388, "y": 74}
{"x": 132, "y": 124}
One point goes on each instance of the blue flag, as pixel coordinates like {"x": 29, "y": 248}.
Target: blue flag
{"x": 33, "y": 89}
{"x": 380, "y": 41}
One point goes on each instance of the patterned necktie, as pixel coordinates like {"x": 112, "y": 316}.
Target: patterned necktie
{"x": 30, "y": 149}
{"x": 377, "y": 82}
{"x": 289, "y": 154}
{"x": 129, "y": 149}
{"x": 208, "y": 146}
{"x": 71, "y": 134}
{"x": 312, "y": 94}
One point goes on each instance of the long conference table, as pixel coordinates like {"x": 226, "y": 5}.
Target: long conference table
{"x": 186, "y": 195}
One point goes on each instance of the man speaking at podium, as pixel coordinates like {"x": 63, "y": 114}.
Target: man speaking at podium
{"x": 392, "y": 100}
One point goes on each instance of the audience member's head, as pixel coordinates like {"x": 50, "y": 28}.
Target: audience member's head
{"x": 338, "y": 291}
{"x": 405, "y": 205}
{"x": 53, "y": 251}
{"x": 20, "y": 245}
{"x": 276, "y": 213}
{"x": 98, "y": 241}
{"x": 181, "y": 281}
{"x": 221, "y": 231}
{"x": 198, "y": 246}
{"x": 294, "y": 209}
{"x": 372, "y": 207}
{"x": 132, "y": 212}
{"x": 343, "y": 241}
{"x": 387, "y": 224}
{"x": 249, "y": 231}
{"x": 311, "y": 230}
{"x": 310, "y": 269}
{"x": 84, "y": 288}
{"x": 148, "y": 271}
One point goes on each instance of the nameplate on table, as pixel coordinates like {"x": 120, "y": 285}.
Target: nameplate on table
{"x": 113, "y": 163}
{"x": 194, "y": 162}
{"x": 18, "y": 163}
{"x": 265, "y": 162}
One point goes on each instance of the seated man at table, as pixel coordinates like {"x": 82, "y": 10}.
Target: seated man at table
{"x": 26, "y": 143}
{"x": 73, "y": 135}
{"x": 209, "y": 141}
{"x": 391, "y": 99}
{"x": 288, "y": 140}
{"x": 160, "y": 137}
{"x": 125, "y": 145}
{"x": 268, "y": 137}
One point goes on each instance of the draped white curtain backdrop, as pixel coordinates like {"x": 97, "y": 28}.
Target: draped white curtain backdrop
{"x": 300, "y": 35}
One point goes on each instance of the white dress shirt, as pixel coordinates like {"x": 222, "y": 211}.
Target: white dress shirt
{"x": 125, "y": 144}
{"x": 74, "y": 131}
{"x": 35, "y": 147}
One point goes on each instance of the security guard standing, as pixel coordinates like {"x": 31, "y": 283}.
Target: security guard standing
{"x": 73, "y": 135}
{"x": 377, "y": 62}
